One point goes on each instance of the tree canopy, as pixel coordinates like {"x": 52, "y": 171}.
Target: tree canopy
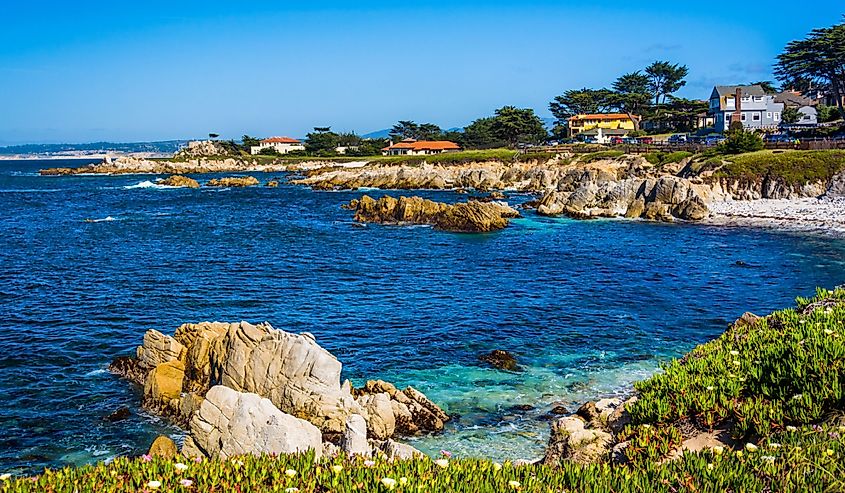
{"x": 819, "y": 60}
{"x": 580, "y": 101}
{"x": 518, "y": 126}
{"x": 665, "y": 79}
{"x": 407, "y": 129}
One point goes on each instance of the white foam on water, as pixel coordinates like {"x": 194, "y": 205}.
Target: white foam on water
{"x": 148, "y": 184}
{"x": 95, "y": 373}
{"x": 106, "y": 219}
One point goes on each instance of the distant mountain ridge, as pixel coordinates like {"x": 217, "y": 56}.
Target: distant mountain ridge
{"x": 163, "y": 147}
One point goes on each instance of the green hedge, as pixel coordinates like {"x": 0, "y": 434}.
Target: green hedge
{"x": 792, "y": 167}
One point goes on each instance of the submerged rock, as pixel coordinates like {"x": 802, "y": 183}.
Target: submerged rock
{"x": 233, "y": 181}
{"x": 500, "y": 359}
{"x": 120, "y": 415}
{"x": 469, "y": 217}
{"x": 179, "y": 181}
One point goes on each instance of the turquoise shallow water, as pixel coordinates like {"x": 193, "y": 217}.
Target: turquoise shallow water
{"x": 587, "y": 307}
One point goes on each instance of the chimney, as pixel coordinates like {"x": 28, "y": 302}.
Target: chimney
{"x": 737, "y": 116}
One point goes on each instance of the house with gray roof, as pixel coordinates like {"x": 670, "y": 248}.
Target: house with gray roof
{"x": 749, "y": 105}
{"x": 808, "y": 115}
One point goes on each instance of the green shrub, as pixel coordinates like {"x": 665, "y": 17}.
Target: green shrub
{"x": 599, "y": 156}
{"x": 787, "y": 369}
{"x": 663, "y": 158}
{"x": 739, "y": 140}
{"x": 802, "y": 460}
{"x": 791, "y": 167}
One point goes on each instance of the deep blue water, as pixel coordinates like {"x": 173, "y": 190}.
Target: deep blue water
{"x": 587, "y": 307}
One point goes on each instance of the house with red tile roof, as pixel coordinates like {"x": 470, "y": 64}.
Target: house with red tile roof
{"x": 411, "y": 147}
{"x": 282, "y": 145}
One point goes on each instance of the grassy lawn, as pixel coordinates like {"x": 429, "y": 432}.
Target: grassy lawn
{"x": 793, "y": 167}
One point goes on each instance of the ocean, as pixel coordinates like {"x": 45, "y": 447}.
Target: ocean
{"x": 89, "y": 263}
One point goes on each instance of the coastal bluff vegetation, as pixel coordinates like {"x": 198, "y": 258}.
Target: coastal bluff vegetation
{"x": 761, "y": 408}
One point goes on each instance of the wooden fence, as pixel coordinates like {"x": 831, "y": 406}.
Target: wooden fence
{"x": 800, "y": 145}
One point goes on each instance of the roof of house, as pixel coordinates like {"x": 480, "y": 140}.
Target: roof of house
{"x": 755, "y": 90}
{"x": 425, "y": 145}
{"x": 280, "y": 140}
{"x": 603, "y": 116}
{"x": 793, "y": 99}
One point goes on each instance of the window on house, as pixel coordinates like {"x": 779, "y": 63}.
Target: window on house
{"x": 755, "y": 117}
{"x": 743, "y": 117}
{"x": 777, "y": 116}
{"x": 769, "y": 115}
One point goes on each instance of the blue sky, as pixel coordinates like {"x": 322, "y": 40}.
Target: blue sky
{"x": 152, "y": 70}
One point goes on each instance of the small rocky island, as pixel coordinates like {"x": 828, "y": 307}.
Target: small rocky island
{"x": 240, "y": 388}
{"x": 469, "y": 217}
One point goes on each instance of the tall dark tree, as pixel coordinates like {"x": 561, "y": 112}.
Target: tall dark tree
{"x": 518, "y": 126}
{"x": 405, "y": 129}
{"x": 767, "y": 85}
{"x": 479, "y": 135}
{"x": 665, "y": 79}
{"x": 321, "y": 143}
{"x": 429, "y": 131}
{"x": 248, "y": 142}
{"x": 631, "y": 96}
{"x": 580, "y": 101}
{"x": 818, "y": 59}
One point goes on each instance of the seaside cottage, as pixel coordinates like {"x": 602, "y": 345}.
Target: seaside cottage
{"x": 749, "y": 105}
{"x": 411, "y": 147}
{"x": 283, "y": 145}
{"x": 618, "y": 123}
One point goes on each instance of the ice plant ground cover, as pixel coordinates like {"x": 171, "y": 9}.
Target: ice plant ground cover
{"x": 775, "y": 384}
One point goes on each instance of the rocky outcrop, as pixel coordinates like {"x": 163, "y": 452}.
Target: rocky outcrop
{"x": 163, "y": 447}
{"x": 572, "y": 441}
{"x": 291, "y": 371}
{"x": 231, "y": 423}
{"x": 836, "y": 188}
{"x": 593, "y": 194}
{"x": 501, "y": 360}
{"x": 179, "y": 181}
{"x": 233, "y": 182}
{"x": 469, "y": 217}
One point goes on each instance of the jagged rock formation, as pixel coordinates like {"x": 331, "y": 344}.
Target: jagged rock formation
{"x": 233, "y": 181}
{"x": 291, "y": 372}
{"x": 587, "y": 436}
{"x": 231, "y": 423}
{"x": 179, "y": 181}
{"x": 469, "y": 217}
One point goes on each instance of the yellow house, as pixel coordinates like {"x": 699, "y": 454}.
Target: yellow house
{"x": 607, "y": 121}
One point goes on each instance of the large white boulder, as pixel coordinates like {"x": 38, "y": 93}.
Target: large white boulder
{"x": 231, "y": 423}
{"x": 292, "y": 370}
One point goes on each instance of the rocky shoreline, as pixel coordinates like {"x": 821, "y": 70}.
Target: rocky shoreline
{"x": 240, "y": 388}
{"x": 809, "y": 215}
{"x": 576, "y": 186}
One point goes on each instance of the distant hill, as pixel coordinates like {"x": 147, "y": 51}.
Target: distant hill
{"x": 162, "y": 147}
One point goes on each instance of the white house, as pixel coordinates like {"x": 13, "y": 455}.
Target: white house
{"x": 282, "y": 145}
{"x": 411, "y": 147}
{"x": 749, "y": 105}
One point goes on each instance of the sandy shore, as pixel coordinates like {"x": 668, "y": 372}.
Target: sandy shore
{"x": 824, "y": 216}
